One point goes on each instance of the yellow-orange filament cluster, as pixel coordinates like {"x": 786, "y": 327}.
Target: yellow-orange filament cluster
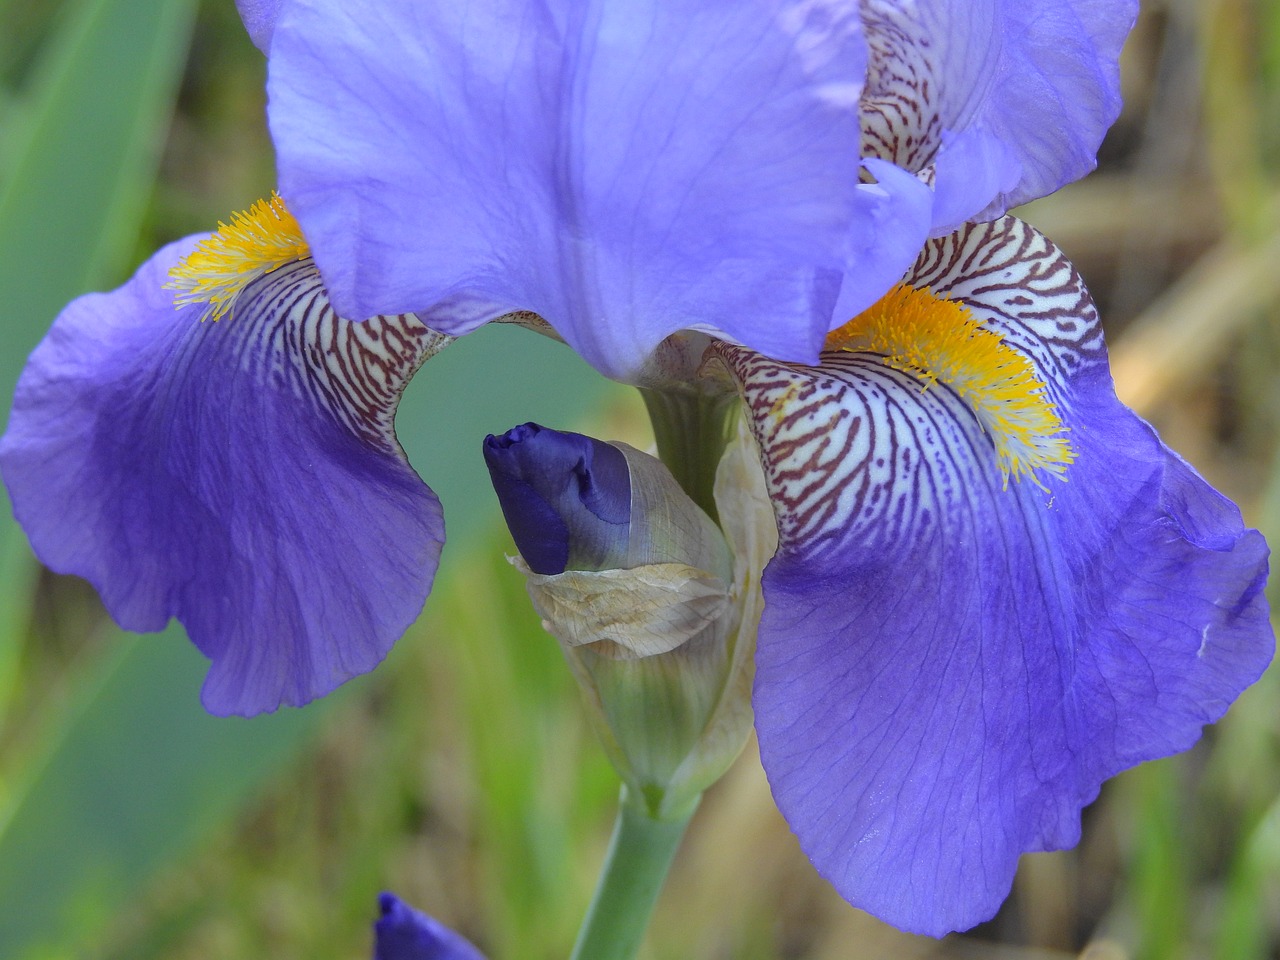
{"x": 937, "y": 340}
{"x": 255, "y": 242}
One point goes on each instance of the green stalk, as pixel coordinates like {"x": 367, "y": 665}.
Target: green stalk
{"x": 640, "y": 853}
{"x": 692, "y": 429}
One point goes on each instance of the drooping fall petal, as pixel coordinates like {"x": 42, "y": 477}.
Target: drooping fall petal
{"x": 241, "y": 475}
{"x": 953, "y": 658}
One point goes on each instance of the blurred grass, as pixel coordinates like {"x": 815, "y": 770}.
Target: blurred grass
{"x": 80, "y": 154}
{"x": 461, "y": 773}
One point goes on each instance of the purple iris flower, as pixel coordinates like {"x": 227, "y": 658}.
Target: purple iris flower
{"x": 994, "y": 586}
{"x": 403, "y": 933}
{"x": 625, "y": 170}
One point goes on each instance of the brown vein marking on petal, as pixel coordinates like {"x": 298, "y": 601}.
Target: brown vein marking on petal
{"x": 899, "y": 109}
{"x": 939, "y": 340}
{"x": 854, "y": 450}
{"x": 288, "y": 336}
{"x": 856, "y": 455}
{"x": 810, "y": 446}
{"x": 1023, "y": 287}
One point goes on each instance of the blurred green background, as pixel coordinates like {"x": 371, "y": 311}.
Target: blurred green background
{"x": 461, "y": 773}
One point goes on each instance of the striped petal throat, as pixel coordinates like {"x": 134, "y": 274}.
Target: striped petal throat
{"x": 956, "y": 376}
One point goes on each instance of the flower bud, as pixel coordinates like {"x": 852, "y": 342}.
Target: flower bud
{"x": 403, "y": 933}
{"x": 653, "y": 610}
{"x": 566, "y": 498}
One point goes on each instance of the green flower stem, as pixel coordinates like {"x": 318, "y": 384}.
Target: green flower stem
{"x": 640, "y": 853}
{"x": 692, "y": 430}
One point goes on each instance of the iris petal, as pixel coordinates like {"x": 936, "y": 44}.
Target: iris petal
{"x": 624, "y": 170}
{"x": 947, "y": 670}
{"x": 242, "y": 475}
{"x": 259, "y": 18}
{"x": 1008, "y": 100}
{"x": 893, "y": 223}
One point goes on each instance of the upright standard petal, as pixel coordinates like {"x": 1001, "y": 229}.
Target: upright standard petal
{"x": 959, "y": 645}
{"x": 624, "y": 170}
{"x": 242, "y": 475}
{"x": 403, "y": 933}
{"x": 1006, "y": 99}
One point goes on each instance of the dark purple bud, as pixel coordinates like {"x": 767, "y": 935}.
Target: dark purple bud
{"x": 403, "y": 933}
{"x": 566, "y": 497}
